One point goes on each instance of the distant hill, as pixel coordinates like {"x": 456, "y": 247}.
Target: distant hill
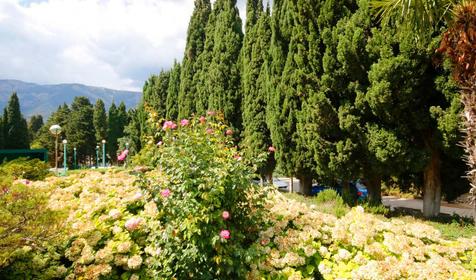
{"x": 45, "y": 99}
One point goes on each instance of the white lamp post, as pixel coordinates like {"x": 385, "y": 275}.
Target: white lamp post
{"x": 56, "y": 130}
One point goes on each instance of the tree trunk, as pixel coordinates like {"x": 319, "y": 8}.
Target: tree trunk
{"x": 468, "y": 97}
{"x": 306, "y": 184}
{"x": 291, "y": 185}
{"x": 432, "y": 186}
{"x": 375, "y": 190}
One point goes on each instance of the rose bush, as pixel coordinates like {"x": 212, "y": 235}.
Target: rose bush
{"x": 209, "y": 210}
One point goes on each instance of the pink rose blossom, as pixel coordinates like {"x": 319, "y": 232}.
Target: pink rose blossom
{"x": 225, "y": 234}
{"x": 229, "y": 132}
{"x": 271, "y": 149}
{"x": 133, "y": 223}
{"x": 225, "y": 215}
{"x": 209, "y": 131}
{"x": 211, "y": 113}
{"x": 165, "y": 193}
{"x": 202, "y": 119}
{"x": 184, "y": 122}
{"x": 169, "y": 125}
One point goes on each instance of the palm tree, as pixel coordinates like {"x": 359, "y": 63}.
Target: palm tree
{"x": 458, "y": 44}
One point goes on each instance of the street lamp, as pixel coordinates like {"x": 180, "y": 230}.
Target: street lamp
{"x": 56, "y": 130}
{"x": 74, "y": 159}
{"x": 64, "y": 163}
{"x": 97, "y": 156}
{"x": 103, "y": 153}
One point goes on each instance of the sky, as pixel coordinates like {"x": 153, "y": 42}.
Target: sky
{"x": 107, "y": 43}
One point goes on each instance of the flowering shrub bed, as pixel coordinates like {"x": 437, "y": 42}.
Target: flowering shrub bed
{"x": 305, "y": 244}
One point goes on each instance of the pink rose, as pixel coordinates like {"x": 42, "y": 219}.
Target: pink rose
{"x": 225, "y": 234}
{"x": 229, "y": 132}
{"x": 133, "y": 223}
{"x": 184, "y": 122}
{"x": 165, "y": 193}
{"x": 225, "y": 215}
{"x": 209, "y": 131}
{"x": 271, "y": 149}
{"x": 202, "y": 119}
{"x": 169, "y": 125}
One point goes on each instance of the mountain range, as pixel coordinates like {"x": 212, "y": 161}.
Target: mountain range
{"x": 45, "y": 99}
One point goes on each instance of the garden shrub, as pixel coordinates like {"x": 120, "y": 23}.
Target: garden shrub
{"x": 329, "y": 201}
{"x": 24, "y": 168}
{"x": 302, "y": 243}
{"x": 29, "y": 231}
{"x": 210, "y": 210}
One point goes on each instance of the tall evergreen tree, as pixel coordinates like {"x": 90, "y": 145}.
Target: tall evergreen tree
{"x": 202, "y": 65}
{"x": 194, "y": 47}
{"x": 2, "y": 137}
{"x": 256, "y": 133}
{"x": 222, "y": 80}
{"x": 80, "y": 131}
{"x": 173, "y": 92}
{"x": 155, "y": 92}
{"x": 16, "y": 128}
{"x": 112, "y": 132}
{"x": 34, "y": 125}
{"x": 100, "y": 121}
{"x": 45, "y": 139}
{"x": 298, "y": 81}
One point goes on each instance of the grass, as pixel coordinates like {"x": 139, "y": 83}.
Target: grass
{"x": 451, "y": 227}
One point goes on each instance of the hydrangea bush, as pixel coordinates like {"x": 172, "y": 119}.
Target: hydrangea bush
{"x": 305, "y": 244}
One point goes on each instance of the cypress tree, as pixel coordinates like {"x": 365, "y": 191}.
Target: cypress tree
{"x": 223, "y": 74}
{"x": 202, "y": 65}
{"x": 298, "y": 81}
{"x": 16, "y": 128}
{"x": 173, "y": 92}
{"x": 255, "y": 56}
{"x": 100, "y": 121}
{"x": 112, "y": 131}
{"x": 193, "y": 49}
{"x": 2, "y": 138}
{"x": 80, "y": 131}
{"x": 36, "y": 122}
{"x": 155, "y": 92}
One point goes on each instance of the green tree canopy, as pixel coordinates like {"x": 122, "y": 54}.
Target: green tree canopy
{"x": 193, "y": 49}
{"x": 100, "y": 121}
{"x": 80, "y": 132}
{"x": 15, "y": 126}
{"x": 173, "y": 92}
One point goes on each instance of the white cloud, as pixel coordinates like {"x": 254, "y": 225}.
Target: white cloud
{"x": 111, "y": 43}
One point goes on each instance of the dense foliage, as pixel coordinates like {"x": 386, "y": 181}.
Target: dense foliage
{"x": 23, "y": 168}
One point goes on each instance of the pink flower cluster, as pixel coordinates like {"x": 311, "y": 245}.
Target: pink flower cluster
{"x": 225, "y": 215}
{"x": 123, "y": 155}
{"x": 134, "y": 223}
{"x": 225, "y": 234}
{"x": 202, "y": 119}
{"x": 184, "y": 122}
{"x": 165, "y": 193}
{"x": 271, "y": 149}
{"x": 169, "y": 125}
{"x": 229, "y": 132}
